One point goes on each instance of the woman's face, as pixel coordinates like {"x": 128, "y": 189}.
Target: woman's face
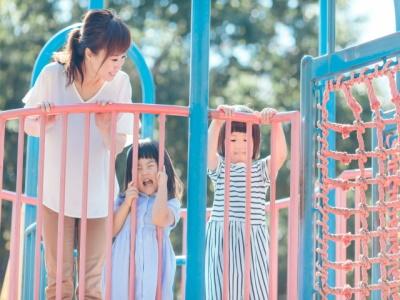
{"x": 105, "y": 69}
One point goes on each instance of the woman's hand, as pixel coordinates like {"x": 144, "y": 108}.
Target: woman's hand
{"x": 47, "y": 107}
{"x": 131, "y": 194}
{"x": 103, "y": 120}
{"x": 267, "y": 114}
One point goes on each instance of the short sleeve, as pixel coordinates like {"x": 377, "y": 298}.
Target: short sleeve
{"x": 39, "y": 92}
{"x": 125, "y": 121}
{"x": 175, "y": 206}
{"x": 264, "y": 170}
{"x": 118, "y": 201}
{"x": 214, "y": 174}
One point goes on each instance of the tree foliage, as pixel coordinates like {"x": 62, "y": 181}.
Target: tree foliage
{"x": 256, "y": 49}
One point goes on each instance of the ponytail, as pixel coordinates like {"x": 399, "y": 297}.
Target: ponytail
{"x": 72, "y": 56}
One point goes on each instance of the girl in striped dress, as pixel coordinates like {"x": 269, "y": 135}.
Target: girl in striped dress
{"x": 260, "y": 181}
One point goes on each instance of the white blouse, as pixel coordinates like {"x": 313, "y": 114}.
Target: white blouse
{"x": 51, "y": 87}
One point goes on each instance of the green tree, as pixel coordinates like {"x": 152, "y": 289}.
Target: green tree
{"x": 256, "y": 48}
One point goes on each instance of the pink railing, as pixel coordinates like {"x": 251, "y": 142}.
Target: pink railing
{"x": 18, "y": 198}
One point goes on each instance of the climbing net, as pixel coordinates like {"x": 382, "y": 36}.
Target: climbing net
{"x": 370, "y": 239}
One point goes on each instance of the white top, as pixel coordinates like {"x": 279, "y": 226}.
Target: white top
{"x": 259, "y": 186}
{"x": 51, "y": 87}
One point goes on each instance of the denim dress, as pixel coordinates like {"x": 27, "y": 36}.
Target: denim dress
{"x": 146, "y": 253}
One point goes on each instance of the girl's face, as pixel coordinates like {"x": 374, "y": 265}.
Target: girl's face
{"x": 108, "y": 68}
{"x": 147, "y": 176}
{"x": 238, "y": 147}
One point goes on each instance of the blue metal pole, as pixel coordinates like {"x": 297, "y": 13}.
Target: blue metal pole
{"x": 148, "y": 88}
{"x": 327, "y": 46}
{"x": 96, "y": 4}
{"x": 198, "y": 121}
{"x": 307, "y": 176}
{"x": 31, "y": 171}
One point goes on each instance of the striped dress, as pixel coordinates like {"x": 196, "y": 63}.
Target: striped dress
{"x": 259, "y": 233}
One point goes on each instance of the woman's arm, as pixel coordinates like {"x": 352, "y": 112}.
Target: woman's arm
{"x": 103, "y": 123}
{"x": 32, "y": 123}
{"x": 121, "y": 214}
{"x": 162, "y": 215}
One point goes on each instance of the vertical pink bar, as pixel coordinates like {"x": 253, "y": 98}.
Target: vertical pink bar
{"x": 16, "y": 217}
{"x": 2, "y": 131}
{"x": 82, "y": 243}
{"x": 341, "y": 229}
{"x": 60, "y": 229}
{"x": 273, "y": 255}
{"x": 184, "y": 251}
{"x": 247, "y": 232}
{"x": 159, "y": 229}
{"x": 293, "y": 242}
{"x": 225, "y": 270}
{"x": 111, "y": 181}
{"x": 357, "y": 242}
{"x": 132, "y": 283}
{"x": 39, "y": 220}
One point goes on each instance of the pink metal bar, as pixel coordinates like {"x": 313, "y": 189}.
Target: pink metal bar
{"x": 135, "y": 148}
{"x": 273, "y": 255}
{"x": 171, "y": 110}
{"x": 226, "y": 243}
{"x": 357, "y": 249}
{"x": 12, "y": 196}
{"x": 2, "y": 137}
{"x": 184, "y": 251}
{"x": 293, "y": 235}
{"x": 16, "y": 218}
{"x": 83, "y": 229}
{"x": 340, "y": 228}
{"x": 61, "y": 214}
{"x": 159, "y": 229}
{"x": 39, "y": 205}
{"x": 247, "y": 231}
{"x": 111, "y": 181}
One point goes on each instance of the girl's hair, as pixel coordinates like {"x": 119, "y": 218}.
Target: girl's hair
{"x": 101, "y": 30}
{"x": 150, "y": 149}
{"x": 241, "y": 127}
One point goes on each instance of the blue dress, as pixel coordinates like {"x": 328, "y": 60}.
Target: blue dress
{"x": 146, "y": 252}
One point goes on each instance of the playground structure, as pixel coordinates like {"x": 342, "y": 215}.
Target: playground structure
{"x": 325, "y": 270}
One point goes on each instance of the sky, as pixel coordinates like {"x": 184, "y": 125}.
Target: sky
{"x": 380, "y": 15}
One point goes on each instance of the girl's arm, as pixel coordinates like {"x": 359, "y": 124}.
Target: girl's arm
{"x": 162, "y": 215}
{"x": 213, "y": 133}
{"x": 121, "y": 214}
{"x": 266, "y": 115}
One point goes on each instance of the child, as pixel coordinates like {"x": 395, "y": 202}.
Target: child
{"x": 260, "y": 181}
{"x": 155, "y": 194}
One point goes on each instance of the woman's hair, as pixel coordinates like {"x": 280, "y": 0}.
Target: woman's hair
{"x": 241, "y": 127}
{"x": 101, "y": 30}
{"x": 150, "y": 149}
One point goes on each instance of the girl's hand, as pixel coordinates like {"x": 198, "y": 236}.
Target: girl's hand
{"x": 162, "y": 178}
{"x": 267, "y": 114}
{"x": 228, "y": 110}
{"x": 131, "y": 194}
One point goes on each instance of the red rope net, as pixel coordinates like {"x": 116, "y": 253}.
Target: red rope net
{"x": 355, "y": 258}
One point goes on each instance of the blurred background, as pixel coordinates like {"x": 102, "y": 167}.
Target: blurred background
{"x": 256, "y": 49}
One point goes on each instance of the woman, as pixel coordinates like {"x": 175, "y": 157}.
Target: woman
{"x": 88, "y": 70}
